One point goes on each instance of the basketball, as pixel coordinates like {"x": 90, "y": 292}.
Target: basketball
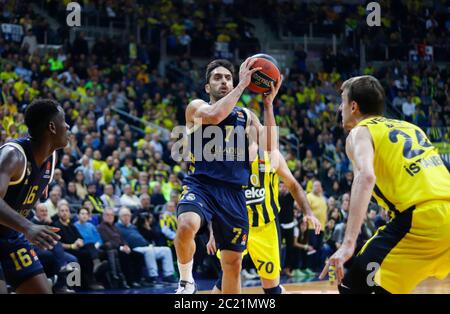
{"x": 270, "y": 72}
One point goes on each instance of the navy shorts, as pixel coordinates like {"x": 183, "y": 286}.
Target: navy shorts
{"x": 18, "y": 260}
{"x": 220, "y": 204}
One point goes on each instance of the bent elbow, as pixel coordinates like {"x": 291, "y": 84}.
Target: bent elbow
{"x": 369, "y": 178}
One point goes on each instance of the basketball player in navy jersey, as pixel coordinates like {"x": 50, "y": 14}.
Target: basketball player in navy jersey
{"x": 213, "y": 190}
{"x": 26, "y": 168}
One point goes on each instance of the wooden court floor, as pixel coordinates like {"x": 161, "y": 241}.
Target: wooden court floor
{"x": 429, "y": 286}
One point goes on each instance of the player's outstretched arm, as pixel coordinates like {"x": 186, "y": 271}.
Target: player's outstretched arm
{"x": 200, "y": 111}
{"x": 359, "y": 147}
{"x": 12, "y": 164}
{"x": 294, "y": 188}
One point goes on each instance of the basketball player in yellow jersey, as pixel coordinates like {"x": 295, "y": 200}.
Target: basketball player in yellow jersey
{"x": 395, "y": 160}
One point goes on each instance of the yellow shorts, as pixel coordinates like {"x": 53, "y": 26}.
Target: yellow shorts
{"x": 415, "y": 245}
{"x": 264, "y": 245}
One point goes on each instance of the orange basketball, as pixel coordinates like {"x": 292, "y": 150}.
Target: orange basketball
{"x": 260, "y": 82}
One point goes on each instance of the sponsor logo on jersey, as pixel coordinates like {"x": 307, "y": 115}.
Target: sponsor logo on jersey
{"x": 244, "y": 239}
{"x": 255, "y": 195}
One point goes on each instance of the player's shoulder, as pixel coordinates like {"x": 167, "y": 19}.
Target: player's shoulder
{"x": 12, "y": 154}
{"x": 358, "y": 132}
{"x": 358, "y": 135}
{"x": 12, "y": 160}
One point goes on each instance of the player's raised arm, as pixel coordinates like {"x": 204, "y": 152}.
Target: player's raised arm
{"x": 360, "y": 150}
{"x": 12, "y": 165}
{"x": 265, "y": 136}
{"x": 218, "y": 83}
{"x": 294, "y": 188}
{"x": 270, "y": 124}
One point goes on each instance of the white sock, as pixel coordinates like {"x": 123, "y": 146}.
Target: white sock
{"x": 186, "y": 271}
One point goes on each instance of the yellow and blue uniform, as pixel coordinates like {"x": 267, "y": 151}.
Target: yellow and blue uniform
{"x": 17, "y": 256}
{"x": 264, "y": 238}
{"x": 214, "y": 187}
{"x": 413, "y": 183}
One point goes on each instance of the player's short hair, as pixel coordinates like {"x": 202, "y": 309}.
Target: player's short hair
{"x": 218, "y": 63}
{"x": 367, "y": 91}
{"x": 38, "y": 114}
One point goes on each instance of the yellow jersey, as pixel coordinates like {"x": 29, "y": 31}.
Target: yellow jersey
{"x": 408, "y": 168}
{"x": 261, "y": 194}
{"x": 319, "y": 208}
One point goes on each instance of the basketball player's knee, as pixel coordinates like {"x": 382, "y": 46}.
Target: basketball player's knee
{"x": 232, "y": 265}
{"x": 187, "y": 228}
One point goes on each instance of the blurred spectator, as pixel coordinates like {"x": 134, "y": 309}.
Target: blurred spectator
{"x": 345, "y": 203}
{"x": 73, "y": 244}
{"x": 369, "y": 227}
{"x": 168, "y": 222}
{"x": 129, "y": 199}
{"x": 86, "y": 167}
{"x": 304, "y": 250}
{"x": 329, "y": 243}
{"x": 145, "y": 203}
{"x": 67, "y": 168}
{"x": 287, "y": 224}
{"x": 88, "y": 232}
{"x": 52, "y": 202}
{"x": 319, "y": 208}
{"x": 128, "y": 169}
{"x": 381, "y": 219}
{"x": 80, "y": 186}
{"x": 339, "y": 233}
{"x": 157, "y": 197}
{"x": 346, "y": 182}
{"x": 72, "y": 197}
{"x": 29, "y": 42}
{"x": 95, "y": 200}
{"x": 151, "y": 253}
{"x": 408, "y": 109}
{"x": 55, "y": 260}
{"x": 118, "y": 182}
{"x": 117, "y": 251}
{"x": 109, "y": 199}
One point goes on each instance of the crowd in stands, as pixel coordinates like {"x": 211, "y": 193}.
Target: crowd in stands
{"x": 115, "y": 189}
{"x": 404, "y": 24}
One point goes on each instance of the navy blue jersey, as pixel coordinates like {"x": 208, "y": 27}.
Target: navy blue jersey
{"x": 23, "y": 194}
{"x": 223, "y": 157}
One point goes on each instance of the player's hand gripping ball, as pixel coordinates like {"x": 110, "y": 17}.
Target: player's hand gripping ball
{"x": 260, "y": 82}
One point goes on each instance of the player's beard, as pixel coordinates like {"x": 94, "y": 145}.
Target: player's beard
{"x": 218, "y": 95}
